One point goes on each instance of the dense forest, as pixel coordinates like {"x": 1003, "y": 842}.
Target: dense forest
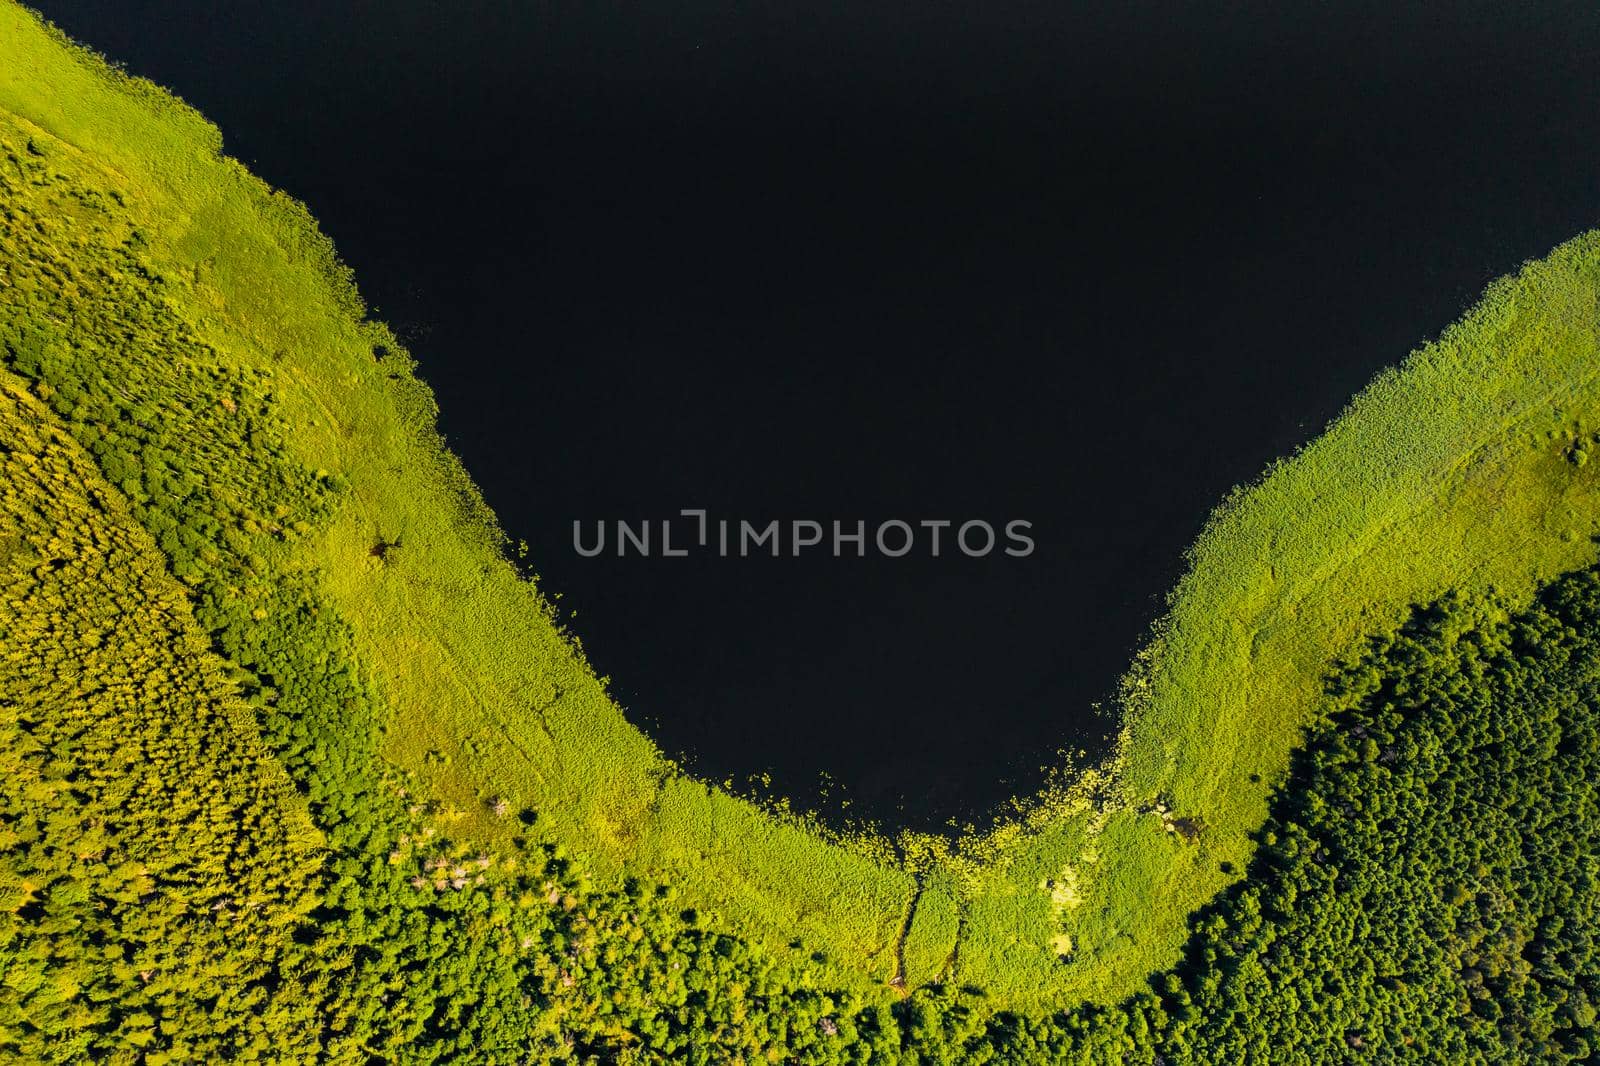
{"x": 208, "y": 852}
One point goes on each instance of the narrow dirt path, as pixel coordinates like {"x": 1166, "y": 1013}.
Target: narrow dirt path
{"x": 898, "y": 981}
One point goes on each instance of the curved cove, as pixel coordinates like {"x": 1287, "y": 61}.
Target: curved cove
{"x": 699, "y": 264}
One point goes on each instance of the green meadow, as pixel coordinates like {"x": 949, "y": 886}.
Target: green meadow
{"x": 194, "y": 334}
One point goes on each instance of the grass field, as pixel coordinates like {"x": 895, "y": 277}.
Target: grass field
{"x": 1458, "y": 470}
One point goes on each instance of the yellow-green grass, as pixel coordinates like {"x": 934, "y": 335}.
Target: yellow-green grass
{"x": 1454, "y": 471}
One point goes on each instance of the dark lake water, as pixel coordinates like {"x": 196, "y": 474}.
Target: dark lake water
{"x": 874, "y": 261}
